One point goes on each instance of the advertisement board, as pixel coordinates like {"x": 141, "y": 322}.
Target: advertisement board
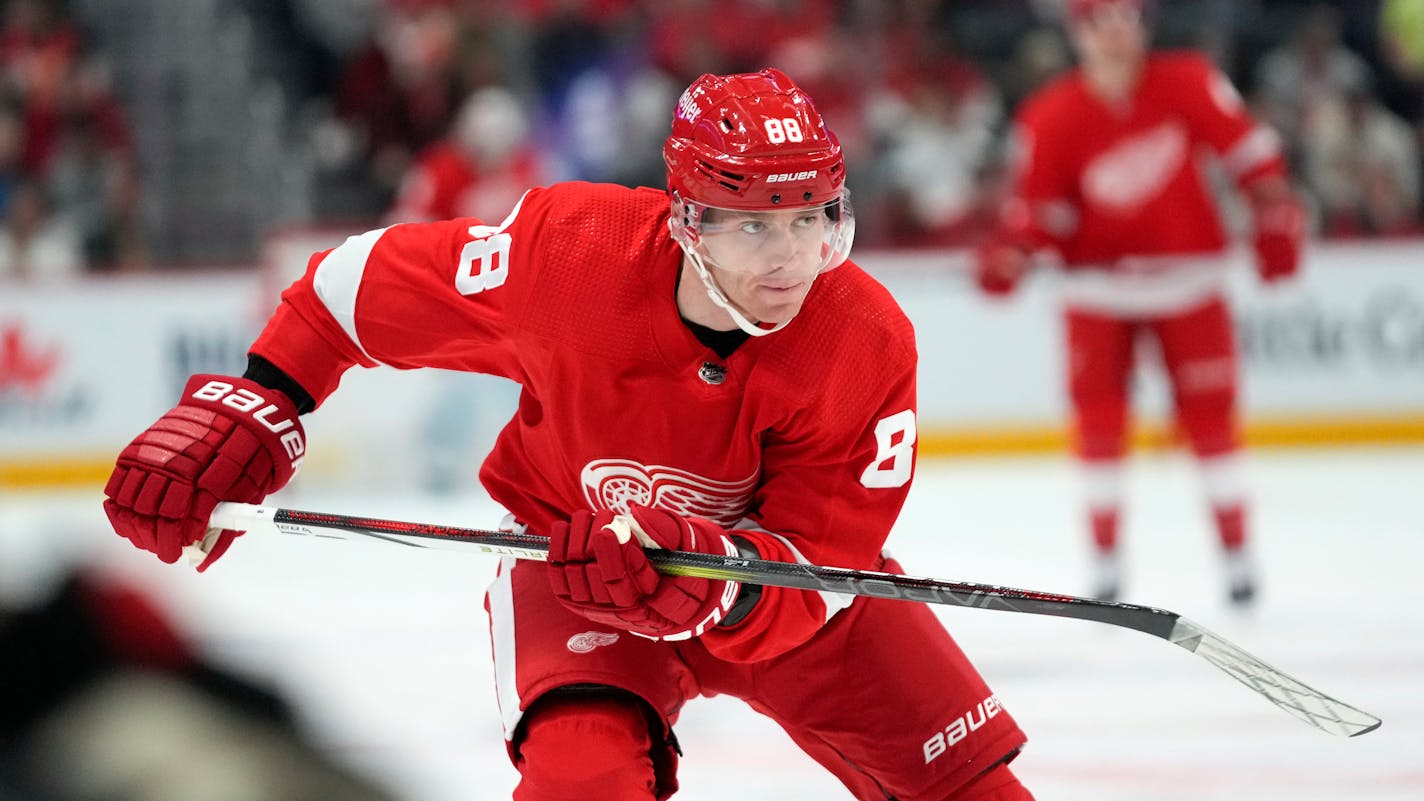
{"x": 1337, "y": 356}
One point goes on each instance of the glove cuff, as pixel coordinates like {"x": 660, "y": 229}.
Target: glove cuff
{"x": 1279, "y": 217}
{"x": 267, "y": 413}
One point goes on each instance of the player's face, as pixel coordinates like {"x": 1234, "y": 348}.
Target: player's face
{"x": 765, "y": 261}
{"x": 1111, "y": 32}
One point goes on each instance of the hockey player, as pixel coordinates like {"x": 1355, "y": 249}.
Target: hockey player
{"x": 1108, "y": 183}
{"x": 702, "y": 369}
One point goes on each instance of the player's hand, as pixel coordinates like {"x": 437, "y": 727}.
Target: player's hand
{"x": 1279, "y": 235}
{"x": 1000, "y": 264}
{"x": 228, "y": 439}
{"x": 598, "y": 569}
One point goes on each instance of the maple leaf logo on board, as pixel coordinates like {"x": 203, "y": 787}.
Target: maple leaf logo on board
{"x": 23, "y": 366}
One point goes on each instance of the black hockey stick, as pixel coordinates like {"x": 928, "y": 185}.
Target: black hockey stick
{"x": 1310, "y": 705}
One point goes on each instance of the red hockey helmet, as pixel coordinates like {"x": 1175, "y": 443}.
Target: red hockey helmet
{"x": 753, "y": 142}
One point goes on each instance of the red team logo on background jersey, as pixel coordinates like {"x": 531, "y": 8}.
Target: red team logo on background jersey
{"x": 614, "y": 483}
{"x": 1135, "y": 170}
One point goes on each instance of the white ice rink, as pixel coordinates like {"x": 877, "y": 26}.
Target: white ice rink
{"x": 386, "y": 650}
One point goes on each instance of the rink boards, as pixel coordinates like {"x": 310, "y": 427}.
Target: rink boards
{"x": 1336, "y": 357}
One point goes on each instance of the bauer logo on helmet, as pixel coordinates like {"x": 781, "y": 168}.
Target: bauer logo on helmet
{"x": 782, "y": 177}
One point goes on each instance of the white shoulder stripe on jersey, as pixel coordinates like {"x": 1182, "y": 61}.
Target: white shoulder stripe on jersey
{"x": 514, "y": 212}
{"x": 1250, "y": 151}
{"x": 338, "y": 280}
{"x": 338, "y": 276}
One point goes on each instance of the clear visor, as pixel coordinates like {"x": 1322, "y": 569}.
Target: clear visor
{"x": 802, "y": 240}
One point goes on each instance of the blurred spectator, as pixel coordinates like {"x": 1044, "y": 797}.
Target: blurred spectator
{"x": 12, "y": 142}
{"x": 1213, "y": 27}
{"x": 1363, "y": 163}
{"x": 1039, "y": 55}
{"x": 817, "y": 54}
{"x": 88, "y": 167}
{"x": 936, "y": 142}
{"x": 603, "y": 100}
{"x": 67, "y": 151}
{"x": 36, "y": 245}
{"x": 921, "y": 120}
{"x": 605, "y": 114}
{"x": 690, "y": 37}
{"x": 1312, "y": 71}
{"x": 396, "y": 95}
{"x": 479, "y": 169}
{"x": 572, "y": 37}
{"x": 37, "y": 43}
{"x": 494, "y": 47}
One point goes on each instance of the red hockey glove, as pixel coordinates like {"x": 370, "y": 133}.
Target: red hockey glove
{"x": 228, "y": 439}
{"x": 598, "y": 569}
{"x": 1279, "y": 235}
{"x": 1000, "y": 263}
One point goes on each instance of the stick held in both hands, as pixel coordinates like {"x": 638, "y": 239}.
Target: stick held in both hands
{"x": 1295, "y": 697}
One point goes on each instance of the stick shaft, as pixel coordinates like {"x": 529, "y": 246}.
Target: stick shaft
{"x": 870, "y": 583}
{"x": 1295, "y": 697}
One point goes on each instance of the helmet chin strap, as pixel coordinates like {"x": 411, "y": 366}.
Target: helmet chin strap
{"x": 720, "y": 300}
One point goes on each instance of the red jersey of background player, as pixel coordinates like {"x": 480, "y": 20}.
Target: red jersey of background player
{"x": 1099, "y": 183}
{"x": 573, "y": 294}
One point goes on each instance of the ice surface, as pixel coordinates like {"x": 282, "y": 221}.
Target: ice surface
{"x": 385, "y": 649}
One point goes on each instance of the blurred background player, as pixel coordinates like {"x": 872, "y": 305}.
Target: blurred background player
{"x": 1108, "y": 182}
{"x": 702, "y": 369}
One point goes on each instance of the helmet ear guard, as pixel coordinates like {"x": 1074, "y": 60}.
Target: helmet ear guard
{"x": 685, "y": 222}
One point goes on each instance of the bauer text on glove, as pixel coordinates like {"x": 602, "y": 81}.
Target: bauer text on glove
{"x": 228, "y": 439}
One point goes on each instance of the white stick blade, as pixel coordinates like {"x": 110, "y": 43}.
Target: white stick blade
{"x": 1302, "y": 701}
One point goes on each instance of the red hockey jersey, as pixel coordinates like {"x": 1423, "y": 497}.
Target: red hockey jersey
{"x": 1120, "y": 189}
{"x": 805, "y": 437}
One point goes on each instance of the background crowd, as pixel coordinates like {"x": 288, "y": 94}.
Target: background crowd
{"x": 179, "y": 133}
